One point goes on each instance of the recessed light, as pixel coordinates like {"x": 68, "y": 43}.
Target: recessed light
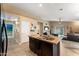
{"x": 40, "y": 5}
{"x": 61, "y": 9}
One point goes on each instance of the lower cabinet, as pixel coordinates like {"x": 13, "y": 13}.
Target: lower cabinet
{"x": 42, "y": 48}
{"x": 46, "y": 49}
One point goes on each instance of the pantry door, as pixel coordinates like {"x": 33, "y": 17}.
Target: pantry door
{"x": 25, "y": 30}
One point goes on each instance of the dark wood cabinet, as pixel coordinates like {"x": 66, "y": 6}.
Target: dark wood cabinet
{"x": 42, "y": 48}
{"x": 34, "y": 45}
{"x": 46, "y": 49}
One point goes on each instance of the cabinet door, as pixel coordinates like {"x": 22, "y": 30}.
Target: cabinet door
{"x": 46, "y": 49}
{"x": 34, "y": 45}
{"x": 31, "y": 43}
{"x": 38, "y": 47}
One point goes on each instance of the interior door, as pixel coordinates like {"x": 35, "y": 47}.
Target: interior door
{"x": 25, "y": 29}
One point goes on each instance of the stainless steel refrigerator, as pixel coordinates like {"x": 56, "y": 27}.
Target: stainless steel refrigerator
{"x": 3, "y": 38}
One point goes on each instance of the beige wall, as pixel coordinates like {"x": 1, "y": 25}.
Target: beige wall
{"x": 75, "y": 26}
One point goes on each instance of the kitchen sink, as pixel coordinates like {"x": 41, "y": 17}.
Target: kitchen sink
{"x": 47, "y": 38}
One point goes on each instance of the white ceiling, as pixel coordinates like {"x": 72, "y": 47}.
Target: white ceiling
{"x": 50, "y": 11}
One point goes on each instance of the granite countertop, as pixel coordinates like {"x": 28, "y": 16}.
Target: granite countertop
{"x": 50, "y": 39}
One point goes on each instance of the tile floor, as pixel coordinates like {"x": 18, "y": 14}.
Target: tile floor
{"x": 20, "y": 50}
{"x": 23, "y": 50}
{"x": 69, "y": 48}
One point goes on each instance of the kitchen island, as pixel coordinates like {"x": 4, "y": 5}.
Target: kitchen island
{"x": 44, "y": 45}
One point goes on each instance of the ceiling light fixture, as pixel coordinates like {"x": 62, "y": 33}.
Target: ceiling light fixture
{"x": 60, "y": 20}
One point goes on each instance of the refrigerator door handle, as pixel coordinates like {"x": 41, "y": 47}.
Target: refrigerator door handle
{"x": 4, "y": 51}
